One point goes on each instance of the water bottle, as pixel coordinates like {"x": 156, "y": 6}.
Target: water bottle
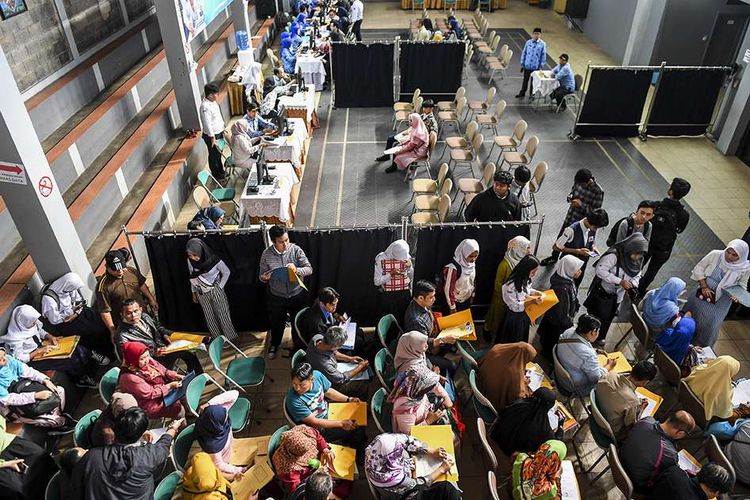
{"x": 242, "y": 40}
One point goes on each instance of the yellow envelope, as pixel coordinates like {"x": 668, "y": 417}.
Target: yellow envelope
{"x": 344, "y": 462}
{"x": 654, "y": 401}
{"x": 622, "y": 366}
{"x": 252, "y": 480}
{"x": 460, "y": 323}
{"x": 546, "y": 382}
{"x": 348, "y": 411}
{"x": 436, "y": 436}
{"x": 65, "y": 347}
{"x": 294, "y": 278}
{"x": 190, "y": 337}
{"x": 534, "y": 310}
{"x": 244, "y": 451}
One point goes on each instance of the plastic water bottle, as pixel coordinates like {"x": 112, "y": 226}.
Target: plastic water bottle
{"x": 242, "y": 40}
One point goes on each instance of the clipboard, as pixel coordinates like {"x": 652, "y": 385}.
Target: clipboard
{"x": 343, "y": 462}
{"x": 435, "y": 436}
{"x": 356, "y": 411}
{"x": 65, "y": 348}
{"x": 654, "y": 401}
{"x": 622, "y": 365}
{"x": 534, "y": 310}
{"x": 688, "y": 462}
{"x": 252, "y": 480}
{"x": 459, "y": 323}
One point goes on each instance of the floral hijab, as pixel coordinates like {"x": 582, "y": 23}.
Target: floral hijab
{"x": 297, "y": 447}
{"x": 387, "y": 459}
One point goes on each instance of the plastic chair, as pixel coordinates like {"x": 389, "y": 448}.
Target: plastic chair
{"x": 429, "y": 186}
{"x": 453, "y": 116}
{"x": 80, "y": 434}
{"x": 715, "y": 454}
{"x": 240, "y": 372}
{"x": 492, "y": 484}
{"x": 692, "y": 404}
{"x": 489, "y": 454}
{"x": 427, "y": 202}
{"x": 501, "y": 66}
{"x": 385, "y": 376}
{"x": 201, "y": 197}
{"x": 602, "y": 433}
{"x": 667, "y": 367}
{"x": 492, "y": 121}
{"x": 403, "y": 116}
{"x": 287, "y": 416}
{"x": 385, "y": 324}
{"x": 574, "y": 98}
{"x": 407, "y": 106}
{"x": 296, "y": 331}
{"x": 514, "y": 158}
{"x": 481, "y": 107}
{"x": 451, "y": 105}
{"x": 52, "y": 492}
{"x": 562, "y": 374}
{"x": 108, "y": 384}
{"x": 621, "y": 479}
{"x": 380, "y": 415}
{"x": 535, "y": 185}
{"x": 510, "y": 142}
{"x": 273, "y": 443}
{"x": 181, "y": 447}
{"x": 640, "y": 330}
{"x": 411, "y": 169}
{"x": 466, "y": 156}
{"x": 471, "y": 185}
{"x": 482, "y": 405}
{"x": 167, "y": 486}
{"x": 469, "y": 358}
{"x": 218, "y": 193}
{"x": 461, "y": 142}
{"x": 275, "y": 63}
{"x": 239, "y": 413}
{"x": 298, "y": 357}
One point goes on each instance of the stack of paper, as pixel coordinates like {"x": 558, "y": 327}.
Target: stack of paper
{"x": 569, "y": 482}
{"x": 654, "y": 401}
{"x": 181, "y": 345}
{"x": 741, "y": 393}
{"x": 706, "y": 355}
{"x": 435, "y": 436}
{"x": 622, "y": 366}
{"x": 349, "y": 411}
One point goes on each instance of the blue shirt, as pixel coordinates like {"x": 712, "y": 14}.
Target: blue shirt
{"x": 313, "y": 402}
{"x": 578, "y": 357}
{"x": 328, "y": 316}
{"x": 534, "y": 55}
{"x": 257, "y": 125}
{"x": 565, "y": 76}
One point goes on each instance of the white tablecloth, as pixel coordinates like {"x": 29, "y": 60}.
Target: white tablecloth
{"x": 301, "y": 100}
{"x": 291, "y": 150}
{"x": 542, "y": 83}
{"x": 272, "y": 200}
{"x": 312, "y": 70}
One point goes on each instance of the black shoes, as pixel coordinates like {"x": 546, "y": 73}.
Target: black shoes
{"x": 520, "y": 95}
{"x": 383, "y": 158}
{"x": 391, "y": 169}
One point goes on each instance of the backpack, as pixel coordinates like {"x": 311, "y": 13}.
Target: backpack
{"x": 663, "y": 229}
{"x": 612, "y": 238}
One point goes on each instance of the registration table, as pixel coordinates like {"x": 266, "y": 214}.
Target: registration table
{"x": 542, "y": 84}
{"x": 312, "y": 69}
{"x": 291, "y": 149}
{"x": 273, "y": 202}
{"x": 301, "y": 105}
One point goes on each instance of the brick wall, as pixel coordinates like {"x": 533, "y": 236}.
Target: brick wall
{"x": 93, "y": 20}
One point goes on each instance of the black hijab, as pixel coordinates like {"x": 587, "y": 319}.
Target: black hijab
{"x": 635, "y": 243}
{"x": 524, "y": 425}
{"x": 268, "y": 85}
{"x": 207, "y": 257}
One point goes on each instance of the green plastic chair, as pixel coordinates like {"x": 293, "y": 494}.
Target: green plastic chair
{"x": 240, "y": 372}
{"x": 167, "y": 486}
{"x": 108, "y": 384}
{"x": 470, "y": 357}
{"x": 299, "y": 357}
{"x": 273, "y": 443}
{"x": 296, "y": 332}
{"x": 380, "y": 414}
{"x": 81, "y": 432}
{"x": 482, "y": 405}
{"x": 384, "y": 326}
{"x": 287, "y": 416}
{"x": 181, "y": 447}
{"x": 217, "y": 192}
{"x": 52, "y": 492}
{"x": 239, "y": 413}
{"x": 385, "y": 376}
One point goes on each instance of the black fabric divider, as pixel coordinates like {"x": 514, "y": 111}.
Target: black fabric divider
{"x": 246, "y": 294}
{"x": 434, "y": 68}
{"x": 363, "y": 75}
{"x": 435, "y": 249}
{"x": 685, "y": 101}
{"x": 614, "y": 102}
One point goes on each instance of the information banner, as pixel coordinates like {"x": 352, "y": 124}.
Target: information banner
{"x": 197, "y": 14}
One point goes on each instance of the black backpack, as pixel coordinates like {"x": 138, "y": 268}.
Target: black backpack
{"x": 663, "y": 229}
{"x": 612, "y": 238}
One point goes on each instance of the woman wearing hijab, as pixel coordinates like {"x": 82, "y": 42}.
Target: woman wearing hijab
{"x": 102, "y": 432}
{"x": 288, "y": 57}
{"x": 411, "y": 404}
{"x": 716, "y": 272}
{"x": 295, "y": 459}
{"x": 455, "y": 28}
{"x": 676, "y": 342}
{"x": 213, "y": 430}
{"x": 211, "y": 217}
{"x": 411, "y": 352}
{"x": 560, "y": 316}
{"x": 536, "y": 476}
{"x": 24, "y": 339}
{"x": 502, "y": 373}
{"x": 518, "y": 248}
{"x": 202, "y": 481}
{"x": 208, "y": 276}
{"x": 244, "y": 152}
{"x": 712, "y": 384}
{"x": 618, "y": 270}
{"x": 67, "y": 314}
{"x": 389, "y": 467}
{"x": 459, "y": 276}
{"x": 524, "y": 424}
{"x": 660, "y": 307}
{"x": 414, "y": 148}
{"x": 148, "y": 381}
{"x": 393, "y": 276}
{"x": 517, "y": 292}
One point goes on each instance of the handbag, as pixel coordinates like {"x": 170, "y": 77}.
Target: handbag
{"x": 599, "y": 301}
{"x": 37, "y": 408}
{"x": 707, "y": 298}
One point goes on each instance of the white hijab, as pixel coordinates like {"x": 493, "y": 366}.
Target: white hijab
{"x": 398, "y": 250}
{"x": 66, "y": 284}
{"x": 518, "y": 248}
{"x": 568, "y": 266}
{"x": 463, "y": 250}
{"x": 24, "y": 323}
{"x": 733, "y": 270}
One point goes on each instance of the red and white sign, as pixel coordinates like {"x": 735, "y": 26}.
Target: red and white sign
{"x": 12, "y": 173}
{"x": 45, "y": 186}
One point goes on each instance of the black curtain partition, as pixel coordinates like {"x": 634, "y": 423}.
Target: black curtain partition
{"x": 435, "y": 248}
{"x": 684, "y": 102}
{"x": 363, "y": 75}
{"x": 434, "y": 68}
{"x": 614, "y": 102}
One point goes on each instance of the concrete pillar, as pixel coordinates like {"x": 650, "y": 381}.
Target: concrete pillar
{"x": 29, "y": 190}
{"x": 240, "y": 21}
{"x": 734, "y": 115}
{"x": 180, "y": 62}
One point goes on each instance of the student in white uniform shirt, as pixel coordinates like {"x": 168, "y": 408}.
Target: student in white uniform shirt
{"x": 355, "y": 16}
{"x": 517, "y": 292}
{"x": 213, "y": 129}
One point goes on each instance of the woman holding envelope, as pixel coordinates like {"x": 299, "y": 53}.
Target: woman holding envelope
{"x": 411, "y": 400}
{"x": 560, "y": 316}
{"x": 517, "y": 292}
{"x": 518, "y": 248}
{"x": 213, "y": 430}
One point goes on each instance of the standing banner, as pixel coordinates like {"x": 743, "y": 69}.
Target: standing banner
{"x": 197, "y": 14}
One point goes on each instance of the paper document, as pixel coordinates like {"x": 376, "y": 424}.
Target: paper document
{"x": 349, "y": 411}
{"x": 688, "y": 462}
{"x": 346, "y": 367}
{"x": 460, "y": 324}
{"x": 63, "y": 350}
{"x": 569, "y": 482}
{"x": 706, "y": 355}
{"x": 654, "y": 401}
{"x": 244, "y": 451}
{"x": 343, "y": 463}
{"x": 192, "y": 337}
{"x": 534, "y": 310}
{"x": 351, "y": 333}
{"x": 392, "y": 151}
{"x": 537, "y": 377}
{"x": 181, "y": 345}
{"x": 252, "y": 480}
{"x": 570, "y": 421}
{"x": 295, "y": 278}
{"x": 156, "y": 434}
{"x": 739, "y": 293}
{"x": 741, "y": 392}
{"x": 435, "y": 436}
{"x": 622, "y": 366}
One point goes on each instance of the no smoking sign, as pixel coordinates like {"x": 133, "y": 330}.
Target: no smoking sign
{"x": 45, "y": 186}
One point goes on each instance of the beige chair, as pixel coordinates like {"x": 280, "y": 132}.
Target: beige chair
{"x": 490, "y": 458}
{"x": 453, "y": 116}
{"x": 403, "y": 116}
{"x": 573, "y": 99}
{"x": 488, "y": 50}
{"x": 492, "y": 121}
{"x": 468, "y": 156}
{"x": 482, "y": 43}
{"x": 667, "y": 367}
{"x": 201, "y": 198}
{"x": 444, "y": 207}
{"x": 692, "y": 404}
{"x": 461, "y": 142}
{"x": 451, "y": 105}
{"x": 537, "y": 178}
{"x": 621, "y": 479}
{"x": 407, "y": 106}
{"x": 427, "y": 202}
{"x": 515, "y": 158}
{"x": 500, "y": 56}
{"x": 472, "y": 185}
{"x": 275, "y": 63}
{"x": 716, "y": 455}
{"x": 481, "y": 107}
{"x": 492, "y": 484}
{"x": 500, "y": 66}
{"x": 411, "y": 170}
{"x": 429, "y": 186}
{"x": 510, "y": 142}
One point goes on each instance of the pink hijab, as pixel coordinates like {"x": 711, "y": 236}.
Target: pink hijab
{"x": 418, "y": 129}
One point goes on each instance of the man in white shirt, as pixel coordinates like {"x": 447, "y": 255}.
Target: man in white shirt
{"x": 356, "y": 15}
{"x": 213, "y": 129}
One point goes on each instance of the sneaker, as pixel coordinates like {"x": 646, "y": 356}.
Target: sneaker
{"x": 391, "y": 169}
{"x": 100, "y": 359}
{"x": 86, "y": 382}
{"x": 520, "y": 95}
{"x": 272, "y": 352}
{"x": 383, "y": 158}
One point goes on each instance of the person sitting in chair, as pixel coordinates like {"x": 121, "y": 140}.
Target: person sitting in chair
{"x": 429, "y": 122}
{"x": 564, "y": 75}
{"x": 415, "y": 147}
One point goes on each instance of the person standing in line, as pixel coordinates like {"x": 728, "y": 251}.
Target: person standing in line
{"x": 533, "y": 58}
{"x": 213, "y": 129}
{"x": 637, "y": 222}
{"x": 459, "y": 275}
{"x": 284, "y": 297}
{"x": 565, "y": 77}
{"x": 208, "y": 276}
{"x": 518, "y": 248}
{"x": 517, "y": 292}
{"x": 355, "y": 16}
{"x": 393, "y": 276}
{"x": 670, "y": 219}
{"x": 579, "y": 238}
{"x": 560, "y": 316}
